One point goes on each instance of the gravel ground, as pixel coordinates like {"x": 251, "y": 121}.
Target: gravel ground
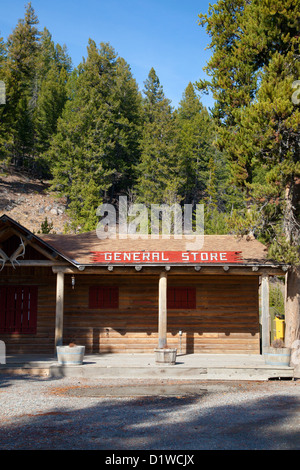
{"x": 43, "y": 413}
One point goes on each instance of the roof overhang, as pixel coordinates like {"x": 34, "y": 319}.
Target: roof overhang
{"x": 60, "y": 260}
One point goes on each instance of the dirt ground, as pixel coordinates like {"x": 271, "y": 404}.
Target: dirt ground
{"x": 148, "y": 416}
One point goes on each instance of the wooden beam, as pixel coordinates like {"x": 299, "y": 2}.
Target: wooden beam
{"x": 42, "y": 251}
{"x": 265, "y": 314}
{"x": 3, "y": 232}
{"x": 162, "y": 310}
{"x": 59, "y": 309}
{"x": 186, "y": 270}
{"x": 40, "y": 263}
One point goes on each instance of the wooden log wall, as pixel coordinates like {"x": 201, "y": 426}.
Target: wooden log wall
{"x": 43, "y": 340}
{"x": 225, "y": 319}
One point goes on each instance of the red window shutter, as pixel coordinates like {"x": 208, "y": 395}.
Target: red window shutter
{"x": 101, "y": 297}
{"x": 171, "y": 297}
{"x": 114, "y": 297}
{"x": 181, "y": 298}
{"x": 105, "y": 293}
{"x": 93, "y": 298}
{"x": 10, "y": 309}
{"x": 2, "y": 308}
{"x": 26, "y": 310}
{"x": 191, "y": 298}
{"x": 18, "y": 309}
{"x": 33, "y": 292}
{"x": 19, "y": 303}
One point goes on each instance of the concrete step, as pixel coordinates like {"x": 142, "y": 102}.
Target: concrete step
{"x": 192, "y": 367}
{"x": 171, "y": 372}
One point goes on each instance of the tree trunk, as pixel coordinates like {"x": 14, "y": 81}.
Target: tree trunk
{"x": 292, "y": 313}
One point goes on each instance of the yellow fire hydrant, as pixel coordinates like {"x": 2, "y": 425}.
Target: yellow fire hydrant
{"x": 279, "y": 328}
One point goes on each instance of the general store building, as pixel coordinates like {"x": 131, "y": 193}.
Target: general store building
{"x": 131, "y": 296}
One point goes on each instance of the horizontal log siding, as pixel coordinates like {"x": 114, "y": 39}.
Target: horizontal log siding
{"x": 43, "y": 340}
{"x": 225, "y": 320}
{"x": 111, "y": 330}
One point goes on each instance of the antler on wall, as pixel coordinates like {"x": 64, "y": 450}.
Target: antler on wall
{"x": 20, "y": 251}
{"x": 3, "y": 258}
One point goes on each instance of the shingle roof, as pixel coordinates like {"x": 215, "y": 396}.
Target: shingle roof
{"x": 80, "y": 247}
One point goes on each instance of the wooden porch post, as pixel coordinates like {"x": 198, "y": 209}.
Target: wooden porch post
{"x": 59, "y": 308}
{"x": 162, "y": 311}
{"x": 265, "y": 314}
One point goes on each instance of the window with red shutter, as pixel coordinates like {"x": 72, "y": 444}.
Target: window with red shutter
{"x": 103, "y": 297}
{"x": 181, "y": 298}
{"x": 18, "y": 309}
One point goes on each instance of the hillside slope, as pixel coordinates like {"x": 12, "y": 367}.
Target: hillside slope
{"x": 29, "y": 202}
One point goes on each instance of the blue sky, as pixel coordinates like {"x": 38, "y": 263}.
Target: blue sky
{"x": 163, "y": 34}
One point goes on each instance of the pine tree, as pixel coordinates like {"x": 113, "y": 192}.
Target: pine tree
{"x": 51, "y": 100}
{"x": 35, "y": 72}
{"x": 204, "y": 169}
{"x": 196, "y": 133}
{"x": 3, "y": 139}
{"x": 50, "y": 54}
{"x": 254, "y": 64}
{"x": 158, "y": 178}
{"x": 2, "y": 53}
{"x": 97, "y": 136}
{"x": 19, "y": 73}
{"x": 261, "y": 136}
{"x": 128, "y": 127}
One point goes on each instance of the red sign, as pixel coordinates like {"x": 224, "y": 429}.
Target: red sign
{"x": 163, "y": 257}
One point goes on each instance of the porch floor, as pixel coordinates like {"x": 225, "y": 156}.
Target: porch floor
{"x": 143, "y": 366}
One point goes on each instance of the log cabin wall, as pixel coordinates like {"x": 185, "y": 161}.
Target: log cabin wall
{"x": 226, "y": 318}
{"x": 43, "y": 340}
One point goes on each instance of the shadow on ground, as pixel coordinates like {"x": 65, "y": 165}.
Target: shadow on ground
{"x": 156, "y": 422}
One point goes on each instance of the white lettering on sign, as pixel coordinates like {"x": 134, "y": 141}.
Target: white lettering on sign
{"x": 166, "y": 256}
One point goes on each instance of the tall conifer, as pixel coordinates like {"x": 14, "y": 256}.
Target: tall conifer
{"x": 195, "y": 137}
{"x": 254, "y": 64}
{"x": 19, "y": 74}
{"x": 96, "y": 143}
{"x": 158, "y": 178}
